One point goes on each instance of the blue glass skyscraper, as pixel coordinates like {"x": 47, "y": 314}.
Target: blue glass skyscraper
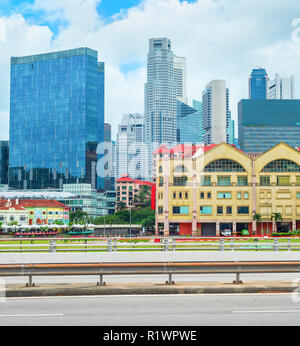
{"x": 258, "y": 84}
{"x": 4, "y": 153}
{"x": 56, "y": 119}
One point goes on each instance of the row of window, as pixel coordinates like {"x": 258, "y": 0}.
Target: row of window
{"x": 227, "y": 165}
{"x": 226, "y": 181}
{"x": 208, "y": 210}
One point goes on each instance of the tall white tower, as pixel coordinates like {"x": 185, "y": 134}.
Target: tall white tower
{"x": 282, "y": 88}
{"x": 216, "y": 114}
{"x": 180, "y": 78}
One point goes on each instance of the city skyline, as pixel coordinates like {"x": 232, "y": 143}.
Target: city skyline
{"x": 126, "y": 66}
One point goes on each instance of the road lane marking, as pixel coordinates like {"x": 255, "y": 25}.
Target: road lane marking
{"x": 32, "y": 315}
{"x": 266, "y": 312}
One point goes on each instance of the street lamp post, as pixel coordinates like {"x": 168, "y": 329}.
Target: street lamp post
{"x": 130, "y": 204}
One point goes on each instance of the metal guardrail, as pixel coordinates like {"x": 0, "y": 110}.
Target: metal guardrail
{"x": 151, "y": 268}
{"x": 165, "y": 244}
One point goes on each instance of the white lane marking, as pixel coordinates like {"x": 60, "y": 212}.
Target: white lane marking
{"x": 266, "y": 312}
{"x": 32, "y": 315}
{"x": 153, "y": 295}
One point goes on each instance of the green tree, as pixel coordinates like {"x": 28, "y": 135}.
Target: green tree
{"x": 78, "y": 214}
{"x": 144, "y": 196}
{"x": 257, "y": 218}
{"x": 276, "y": 217}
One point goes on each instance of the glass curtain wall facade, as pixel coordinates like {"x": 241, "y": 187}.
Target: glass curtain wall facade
{"x": 265, "y": 123}
{"x": 188, "y": 124}
{"x": 4, "y": 154}
{"x": 258, "y": 84}
{"x": 56, "y": 119}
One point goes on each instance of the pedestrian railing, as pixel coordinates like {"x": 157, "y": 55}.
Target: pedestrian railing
{"x": 155, "y": 244}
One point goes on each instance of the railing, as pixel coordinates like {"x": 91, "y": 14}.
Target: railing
{"x": 152, "y": 268}
{"x": 93, "y": 244}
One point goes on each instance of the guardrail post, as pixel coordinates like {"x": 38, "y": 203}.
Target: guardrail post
{"x": 115, "y": 245}
{"x": 101, "y": 282}
{"x": 29, "y": 283}
{"x": 109, "y": 245}
{"x": 221, "y": 245}
{"x": 289, "y": 244}
{"x": 232, "y": 244}
{"x": 170, "y": 281}
{"x": 52, "y": 246}
{"x": 237, "y": 280}
{"x": 174, "y": 244}
{"x": 276, "y": 245}
{"x": 166, "y": 244}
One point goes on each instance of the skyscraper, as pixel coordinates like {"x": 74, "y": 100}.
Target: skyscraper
{"x": 109, "y": 160}
{"x": 265, "y": 123}
{"x": 282, "y": 88}
{"x": 160, "y": 98}
{"x": 130, "y": 147}
{"x": 180, "y": 78}
{"x": 215, "y": 102}
{"x": 4, "y": 154}
{"x": 258, "y": 84}
{"x": 189, "y": 128}
{"x": 56, "y": 119}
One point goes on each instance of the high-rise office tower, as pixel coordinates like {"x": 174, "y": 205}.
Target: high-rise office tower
{"x": 282, "y": 88}
{"x": 180, "y": 78}
{"x": 189, "y": 128}
{"x": 160, "y": 98}
{"x": 130, "y": 147}
{"x": 4, "y": 155}
{"x": 231, "y": 130}
{"x": 258, "y": 84}
{"x": 215, "y": 102}
{"x": 56, "y": 119}
{"x": 265, "y": 123}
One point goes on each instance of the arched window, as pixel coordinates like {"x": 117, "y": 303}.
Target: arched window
{"x": 180, "y": 169}
{"x": 224, "y": 165}
{"x": 281, "y": 165}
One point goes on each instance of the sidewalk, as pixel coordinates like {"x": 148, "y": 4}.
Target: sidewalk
{"x": 149, "y": 288}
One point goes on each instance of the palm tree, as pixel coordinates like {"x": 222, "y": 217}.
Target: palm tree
{"x": 276, "y": 217}
{"x": 257, "y": 218}
{"x": 144, "y": 196}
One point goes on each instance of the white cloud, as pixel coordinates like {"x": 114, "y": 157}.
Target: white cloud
{"x": 220, "y": 39}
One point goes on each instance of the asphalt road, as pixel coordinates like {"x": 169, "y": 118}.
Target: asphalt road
{"x": 170, "y": 310}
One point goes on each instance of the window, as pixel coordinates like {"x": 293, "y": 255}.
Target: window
{"x": 206, "y": 181}
{"x": 220, "y": 210}
{"x": 224, "y": 195}
{"x": 281, "y": 166}
{"x": 161, "y": 181}
{"x": 180, "y": 181}
{"x": 283, "y": 180}
{"x": 160, "y": 169}
{"x": 174, "y": 195}
{"x": 224, "y": 165}
{"x": 243, "y": 210}
{"x": 180, "y": 195}
{"x": 186, "y": 195}
{"x": 205, "y": 210}
{"x": 181, "y": 210}
{"x": 242, "y": 181}
{"x": 298, "y": 195}
{"x": 229, "y": 210}
{"x": 265, "y": 181}
{"x": 202, "y": 195}
{"x": 160, "y": 210}
{"x": 246, "y": 195}
{"x": 223, "y": 181}
{"x": 180, "y": 169}
{"x": 208, "y": 195}
{"x": 239, "y": 195}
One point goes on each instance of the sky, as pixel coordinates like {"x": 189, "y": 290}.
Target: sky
{"x": 221, "y": 39}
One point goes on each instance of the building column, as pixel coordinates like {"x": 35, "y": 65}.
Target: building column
{"x": 166, "y": 170}
{"x": 156, "y": 226}
{"x": 254, "y": 227}
{"x": 194, "y": 221}
{"x": 218, "y": 233}
{"x": 234, "y": 228}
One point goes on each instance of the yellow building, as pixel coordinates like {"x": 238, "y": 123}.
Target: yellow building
{"x": 209, "y": 189}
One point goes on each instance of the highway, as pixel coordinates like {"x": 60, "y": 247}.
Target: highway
{"x": 154, "y": 310}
